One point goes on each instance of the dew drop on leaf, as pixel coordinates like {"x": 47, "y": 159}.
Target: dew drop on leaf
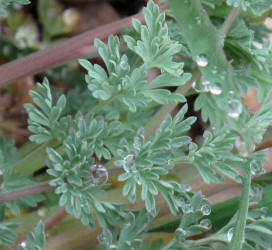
{"x": 129, "y": 164}
{"x": 70, "y": 16}
{"x": 206, "y": 224}
{"x": 206, "y": 209}
{"x": 180, "y": 231}
{"x": 188, "y": 209}
{"x": 230, "y": 234}
{"x": 42, "y": 212}
{"x": 180, "y": 201}
{"x": 255, "y": 167}
{"x": 231, "y": 93}
{"x": 215, "y": 89}
{"x": 241, "y": 146}
{"x": 23, "y": 244}
{"x": 202, "y": 60}
{"x": 198, "y": 20}
{"x": 98, "y": 175}
{"x": 201, "y": 86}
{"x": 234, "y": 108}
{"x": 123, "y": 65}
{"x": 214, "y": 70}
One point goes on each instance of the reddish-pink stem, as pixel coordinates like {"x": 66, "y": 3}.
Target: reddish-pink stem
{"x": 52, "y": 221}
{"x": 80, "y": 46}
{"x": 25, "y": 191}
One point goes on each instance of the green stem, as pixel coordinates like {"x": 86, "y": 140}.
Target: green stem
{"x": 230, "y": 19}
{"x": 238, "y": 237}
{"x": 102, "y": 104}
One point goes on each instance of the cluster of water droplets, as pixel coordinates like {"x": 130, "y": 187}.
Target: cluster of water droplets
{"x": 235, "y": 107}
{"x": 206, "y": 86}
{"x": 256, "y": 167}
{"x": 98, "y": 175}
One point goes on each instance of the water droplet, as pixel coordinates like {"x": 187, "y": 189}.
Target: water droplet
{"x": 205, "y": 82}
{"x": 42, "y": 212}
{"x": 123, "y": 65}
{"x": 128, "y": 243}
{"x": 231, "y": 93}
{"x": 202, "y": 60}
{"x": 187, "y": 209}
{"x": 180, "y": 71}
{"x": 215, "y": 89}
{"x": 23, "y": 244}
{"x": 256, "y": 167}
{"x": 129, "y": 163}
{"x": 198, "y": 20}
{"x": 241, "y": 146}
{"x": 256, "y": 190}
{"x": 206, "y": 209}
{"x": 206, "y": 223}
{"x": 201, "y": 86}
{"x": 186, "y": 188}
{"x": 214, "y": 70}
{"x": 230, "y": 234}
{"x": 70, "y": 16}
{"x": 180, "y": 201}
{"x": 234, "y": 108}
{"x": 98, "y": 175}
{"x": 180, "y": 231}
{"x": 223, "y": 77}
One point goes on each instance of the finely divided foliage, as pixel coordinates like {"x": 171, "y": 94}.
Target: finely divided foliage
{"x": 84, "y": 147}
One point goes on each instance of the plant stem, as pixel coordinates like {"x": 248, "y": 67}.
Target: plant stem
{"x": 80, "y": 46}
{"x": 25, "y": 191}
{"x": 102, "y": 104}
{"x": 234, "y": 13}
{"x": 55, "y": 219}
{"x": 52, "y": 221}
{"x": 238, "y": 237}
{"x": 160, "y": 115}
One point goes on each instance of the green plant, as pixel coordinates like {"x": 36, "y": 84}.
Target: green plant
{"x": 119, "y": 152}
{"x": 4, "y": 4}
